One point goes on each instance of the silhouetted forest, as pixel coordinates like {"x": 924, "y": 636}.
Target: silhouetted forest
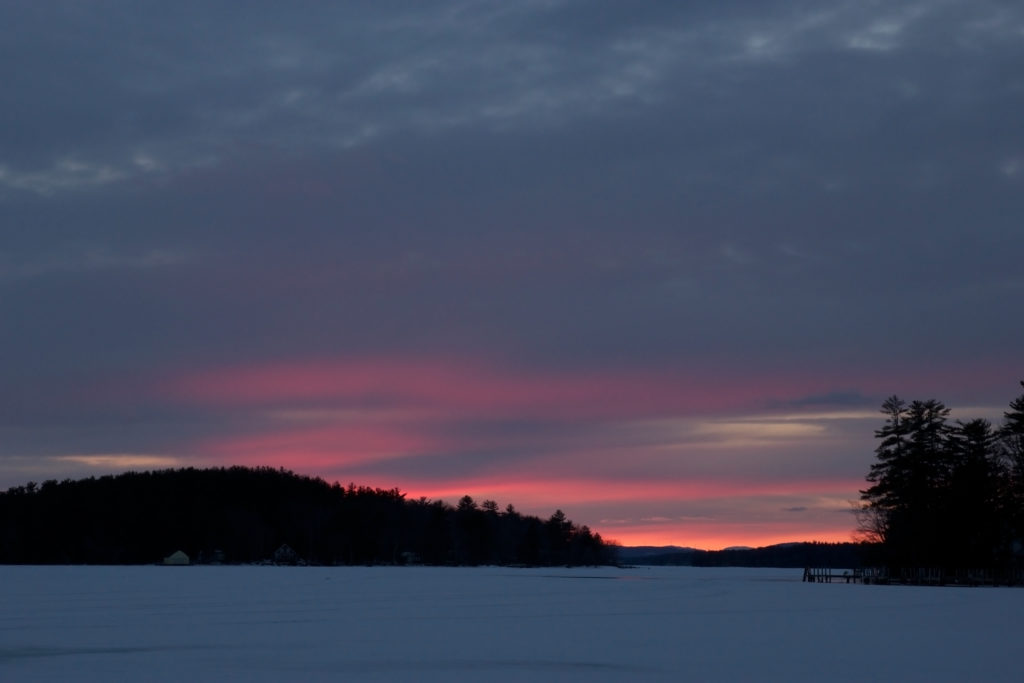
{"x": 946, "y": 494}
{"x": 244, "y": 515}
{"x": 798, "y": 555}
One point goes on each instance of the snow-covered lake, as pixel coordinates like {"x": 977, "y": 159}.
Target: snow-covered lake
{"x": 495, "y": 624}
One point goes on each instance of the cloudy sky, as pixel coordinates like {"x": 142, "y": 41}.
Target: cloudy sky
{"x": 653, "y": 263}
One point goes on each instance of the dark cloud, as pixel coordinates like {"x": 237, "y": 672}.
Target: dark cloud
{"x": 842, "y": 399}
{"x": 771, "y": 189}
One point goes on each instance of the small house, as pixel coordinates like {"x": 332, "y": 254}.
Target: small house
{"x": 286, "y": 556}
{"x": 177, "y": 558}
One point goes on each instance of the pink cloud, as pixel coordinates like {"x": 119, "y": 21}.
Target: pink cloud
{"x": 476, "y": 389}
{"x": 604, "y": 444}
{"x": 568, "y": 491}
{"x": 333, "y": 445}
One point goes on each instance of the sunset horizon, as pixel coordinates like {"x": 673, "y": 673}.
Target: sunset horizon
{"x": 778, "y": 465}
{"x": 656, "y": 266}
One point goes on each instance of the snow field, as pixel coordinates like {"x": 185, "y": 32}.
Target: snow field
{"x": 495, "y": 624}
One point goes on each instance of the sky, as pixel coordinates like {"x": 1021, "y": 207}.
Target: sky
{"x": 655, "y": 264}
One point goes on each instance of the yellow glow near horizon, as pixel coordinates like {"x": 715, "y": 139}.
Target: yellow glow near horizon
{"x": 121, "y": 460}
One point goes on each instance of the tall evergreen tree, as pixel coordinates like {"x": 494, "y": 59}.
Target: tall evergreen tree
{"x": 1011, "y": 438}
{"x": 969, "y": 514}
{"x": 947, "y": 495}
{"x": 903, "y": 503}
{"x": 882, "y": 499}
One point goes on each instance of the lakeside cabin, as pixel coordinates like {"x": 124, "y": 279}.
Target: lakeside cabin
{"x": 177, "y": 558}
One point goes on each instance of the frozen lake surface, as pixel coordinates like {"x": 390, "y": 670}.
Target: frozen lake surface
{"x": 495, "y": 624}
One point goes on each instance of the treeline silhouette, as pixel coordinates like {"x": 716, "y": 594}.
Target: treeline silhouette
{"x": 245, "y": 515}
{"x": 948, "y": 495}
{"x": 798, "y": 555}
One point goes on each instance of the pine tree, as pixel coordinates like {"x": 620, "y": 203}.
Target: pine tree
{"x": 882, "y": 499}
{"x": 903, "y": 504}
{"x": 1011, "y": 438}
{"x": 890, "y": 452}
{"x": 970, "y": 513}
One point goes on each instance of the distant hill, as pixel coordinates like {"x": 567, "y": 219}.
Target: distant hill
{"x": 638, "y": 553}
{"x": 839, "y": 555}
{"x": 244, "y": 515}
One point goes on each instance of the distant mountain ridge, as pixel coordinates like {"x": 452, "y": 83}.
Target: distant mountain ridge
{"x": 793, "y": 554}
{"x": 636, "y": 551}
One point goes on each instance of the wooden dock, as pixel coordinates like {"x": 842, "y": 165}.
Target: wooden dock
{"x": 828, "y": 575}
{"x": 917, "y": 576}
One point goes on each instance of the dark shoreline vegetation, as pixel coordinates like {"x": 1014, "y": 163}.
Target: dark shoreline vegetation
{"x": 944, "y": 505}
{"x": 250, "y": 515}
{"x": 946, "y": 499}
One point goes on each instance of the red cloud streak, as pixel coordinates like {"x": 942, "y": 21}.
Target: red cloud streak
{"x": 475, "y": 389}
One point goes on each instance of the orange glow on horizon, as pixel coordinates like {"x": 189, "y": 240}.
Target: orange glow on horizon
{"x": 542, "y": 497}
{"x": 713, "y": 538}
{"x": 575, "y": 491}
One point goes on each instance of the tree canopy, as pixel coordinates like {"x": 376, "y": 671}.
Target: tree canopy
{"x": 241, "y": 514}
{"x": 946, "y": 494}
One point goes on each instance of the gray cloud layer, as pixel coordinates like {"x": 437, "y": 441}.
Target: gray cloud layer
{"x": 770, "y": 186}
